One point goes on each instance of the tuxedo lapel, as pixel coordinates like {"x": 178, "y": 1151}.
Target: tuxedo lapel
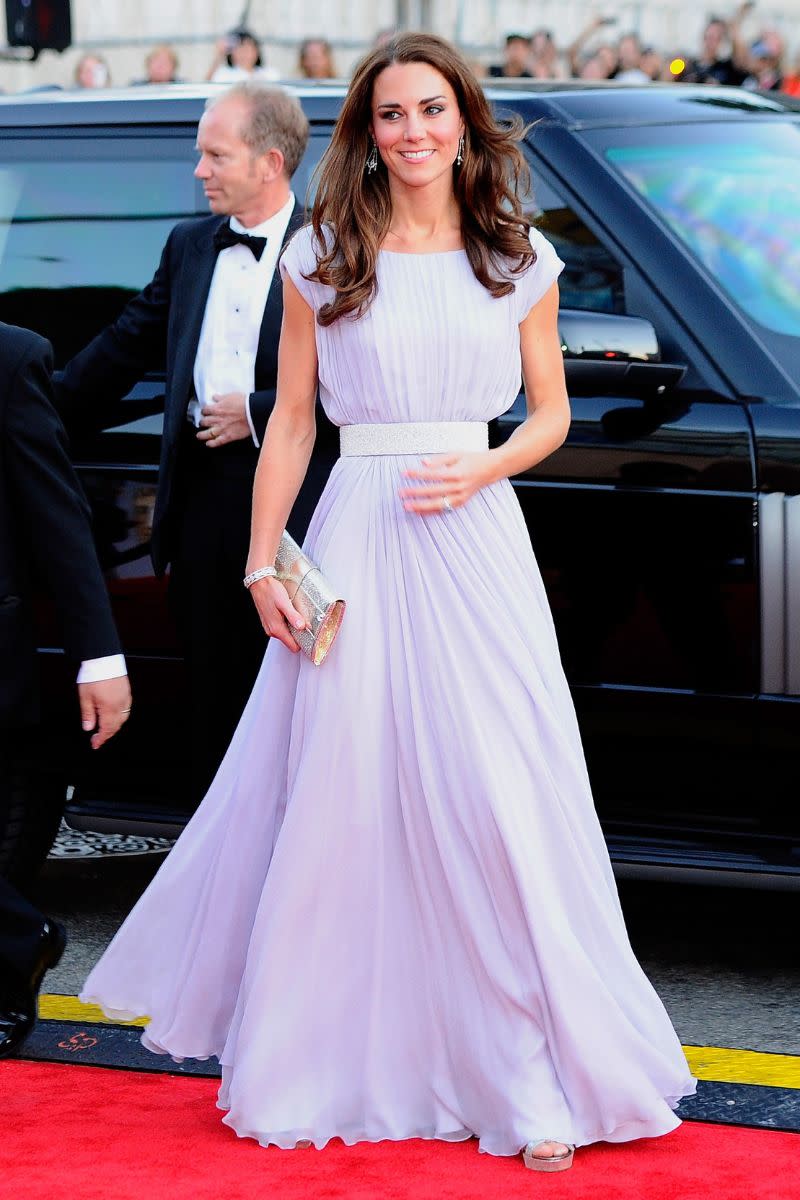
{"x": 267, "y": 356}
{"x": 192, "y": 286}
{"x": 191, "y": 294}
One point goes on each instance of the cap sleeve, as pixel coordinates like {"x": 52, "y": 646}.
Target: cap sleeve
{"x": 540, "y": 275}
{"x": 299, "y": 259}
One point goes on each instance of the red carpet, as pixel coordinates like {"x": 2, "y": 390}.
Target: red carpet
{"x": 88, "y": 1133}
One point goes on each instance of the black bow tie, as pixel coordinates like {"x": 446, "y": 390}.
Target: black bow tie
{"x": 224, "y": 236}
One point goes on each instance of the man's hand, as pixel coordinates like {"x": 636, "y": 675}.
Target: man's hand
{"x": 105, "y": 707}
{"x": 224, "y": 421}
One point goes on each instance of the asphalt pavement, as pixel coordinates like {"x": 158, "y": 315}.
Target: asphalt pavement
{"x": 725, "y": 962}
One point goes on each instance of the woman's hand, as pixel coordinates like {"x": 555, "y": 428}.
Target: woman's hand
{"x": 276, "y": 611}
{"x": 447, "y": 481}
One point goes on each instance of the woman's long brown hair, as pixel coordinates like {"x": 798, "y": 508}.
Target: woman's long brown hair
{"x": 356, "y": 207}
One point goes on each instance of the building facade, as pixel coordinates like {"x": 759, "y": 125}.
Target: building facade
{"x": 192, "y": 27}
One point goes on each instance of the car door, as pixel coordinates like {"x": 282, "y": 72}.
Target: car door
{"x": 643, "y": 526}
{"x": 777, "y": 430}
{"x": 88, "y": 213}
{"x": 87, "y": 210}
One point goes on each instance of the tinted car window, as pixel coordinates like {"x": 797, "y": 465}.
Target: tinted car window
{"x": 591, "y": 278}
{"x": 84, "y": 221}
{"x": 733, "y": 197}
{"x": 304, "y": 180}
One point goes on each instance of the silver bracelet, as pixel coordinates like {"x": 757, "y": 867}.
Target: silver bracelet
{"x": 261, "y": 573}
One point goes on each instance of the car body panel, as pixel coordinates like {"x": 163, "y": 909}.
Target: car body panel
{"x": 648, "y": 524}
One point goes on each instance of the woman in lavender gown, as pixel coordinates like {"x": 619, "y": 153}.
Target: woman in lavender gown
{"x": 393, "y": 915}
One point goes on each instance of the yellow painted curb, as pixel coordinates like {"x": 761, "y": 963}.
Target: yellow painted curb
{"x": 743, "y": 1066}
{"x": 714, "y": 1063}
{"x": 70, "y": 1008}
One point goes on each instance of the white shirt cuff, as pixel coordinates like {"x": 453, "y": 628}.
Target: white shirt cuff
{"x": 95, "y": 670}
{"x": 256, "y": 442}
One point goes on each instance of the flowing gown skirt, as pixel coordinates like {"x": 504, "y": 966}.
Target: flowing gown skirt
{"x": 393, "y": 915}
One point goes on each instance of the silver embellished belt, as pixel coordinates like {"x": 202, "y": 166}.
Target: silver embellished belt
{"x": 413, "y": 437}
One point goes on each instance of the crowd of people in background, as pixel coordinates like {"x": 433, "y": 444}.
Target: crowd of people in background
{"x": 727, "y": 55}
{"x": 237, "y": 56}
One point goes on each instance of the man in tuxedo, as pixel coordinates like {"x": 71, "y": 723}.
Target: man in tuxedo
{"x": 45, "y": 533}
{"x": 214, "y": 310}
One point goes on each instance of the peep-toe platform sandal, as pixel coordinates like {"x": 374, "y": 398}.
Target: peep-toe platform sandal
{"x": 556, "y": 1162}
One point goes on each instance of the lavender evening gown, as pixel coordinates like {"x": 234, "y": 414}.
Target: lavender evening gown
{"x": 393, "y": 915}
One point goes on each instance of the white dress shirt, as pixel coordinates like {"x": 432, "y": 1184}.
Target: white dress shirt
{"x": 94, "y": 670}
{"x": 226, "y": 351}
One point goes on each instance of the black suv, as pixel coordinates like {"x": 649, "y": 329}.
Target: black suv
{"x": 667, "y": 527}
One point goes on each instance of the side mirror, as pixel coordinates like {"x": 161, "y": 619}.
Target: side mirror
{"x": 612, "y": 354}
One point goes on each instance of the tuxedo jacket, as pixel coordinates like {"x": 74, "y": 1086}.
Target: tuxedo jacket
{"x": 45, "y": 530}
{"x": 163, "y": 324}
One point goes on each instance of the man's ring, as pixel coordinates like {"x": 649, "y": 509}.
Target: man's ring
{"x": 125, "y": 711}
{"x": 215, "y": 433}
{"x": 446, "y": 505}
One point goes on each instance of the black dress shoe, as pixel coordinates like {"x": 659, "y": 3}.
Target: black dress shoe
{"x": 14, "y": 1028}
{"x": 52, "y": 941}
{"x": 19, "y": 995}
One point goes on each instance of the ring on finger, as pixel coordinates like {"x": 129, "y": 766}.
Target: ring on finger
{"x": 215, "y": 433}
{"x": 446, "y": 504}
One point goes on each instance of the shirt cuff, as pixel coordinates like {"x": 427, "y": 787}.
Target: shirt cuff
{"x": 253, "y": 434}
{"x": 95, "y": 670}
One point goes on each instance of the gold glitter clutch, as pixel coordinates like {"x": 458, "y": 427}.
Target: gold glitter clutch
{"x": 312, "y": 596}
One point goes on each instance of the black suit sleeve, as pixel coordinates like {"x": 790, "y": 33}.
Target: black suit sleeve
{"x": 97, "y": 378}
{"x": 261, "y": 405}
{"x": 51, "y": 513}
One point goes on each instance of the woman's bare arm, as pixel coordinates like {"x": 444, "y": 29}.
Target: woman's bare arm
{"x": 457, "y": 477}
{"x": 548, "y": 419}
{"x": 284, "y": 458}
{"x": 576, "y": 48}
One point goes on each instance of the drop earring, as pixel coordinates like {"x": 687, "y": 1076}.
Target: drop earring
{"x": 372, "y": 161}
{"x": 460, "y": 155}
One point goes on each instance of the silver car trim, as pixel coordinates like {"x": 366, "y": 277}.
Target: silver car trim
{"x": 771, "y": 557}
{"x": 763, "y": 880}
{"x": 779, "y": 589}
{"x": 791, "y": 615}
